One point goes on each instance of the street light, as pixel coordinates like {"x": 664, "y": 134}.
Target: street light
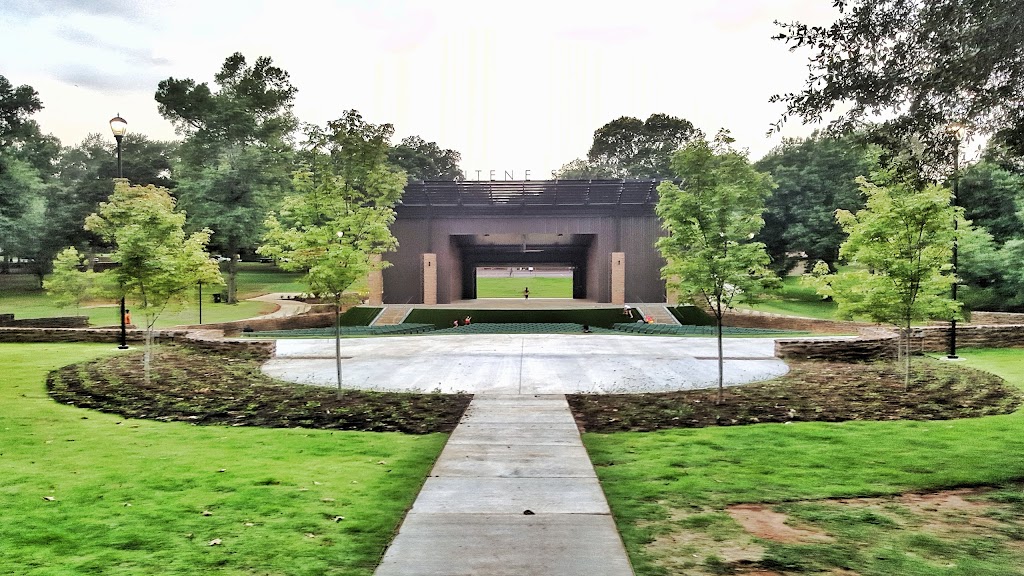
{"x": 119, "y": 126}
{"x": 957, "y": 130}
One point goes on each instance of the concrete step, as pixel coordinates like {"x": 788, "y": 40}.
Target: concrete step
{"x": 392, "y": 314}
{"x": 658, "y": 312}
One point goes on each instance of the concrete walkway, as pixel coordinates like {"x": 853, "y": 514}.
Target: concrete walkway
{"x": 286, "y": 306}
{"x": 513, "y": 493}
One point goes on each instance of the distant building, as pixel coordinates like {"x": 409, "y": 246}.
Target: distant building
{"x": 604, "y": 230}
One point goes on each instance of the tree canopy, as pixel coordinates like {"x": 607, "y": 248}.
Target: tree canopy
{"x": 920, "y": 65}
{"x": 631, "y": 148}
{"x": 422, "y": 160}
{"x": 236, "y": 157}
{"x": 815, "y": 177}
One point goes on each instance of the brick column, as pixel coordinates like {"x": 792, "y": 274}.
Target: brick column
{"x": 430, "y": 279}
{"x": 618, "y": 277}
{"x": 375, "y": 282}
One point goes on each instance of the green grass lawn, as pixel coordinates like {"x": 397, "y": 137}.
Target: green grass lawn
{"x": 649, "y": 476}
{"x": 20, "y": 295}
{"x": 91, "y": 493}
{"x": 540, "y": 287}
{"x": 795, "y": 299}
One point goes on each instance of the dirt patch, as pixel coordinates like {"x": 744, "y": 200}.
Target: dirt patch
{"x": 847, "y": 537}
{"x": 811, "y": 392}
{"x": 206, "y": 388}
{"x": 768, "y": 524}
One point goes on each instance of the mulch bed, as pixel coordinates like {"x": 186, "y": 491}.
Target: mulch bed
{"x": 203, "y": 388}
{"x": 811, "y": 391}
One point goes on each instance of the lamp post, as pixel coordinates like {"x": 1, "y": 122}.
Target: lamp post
{"x": 957, "y": 130}
{"x": 337, "y": 326}
{"x": 118, "y": 126}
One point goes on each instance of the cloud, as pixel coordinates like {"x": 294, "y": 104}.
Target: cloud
{"x": 127, "y": 9}
{"x": 84, "y": 76}
{"x": 133, "y": 56}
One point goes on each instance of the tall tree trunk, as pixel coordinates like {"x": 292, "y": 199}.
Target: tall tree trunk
{"x": 232, "y": 272}
{"x": 337, "y": 338}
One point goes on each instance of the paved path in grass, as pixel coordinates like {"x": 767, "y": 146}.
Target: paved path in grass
{"x": 286, "y": 305}
{"x": 512, "y": 494}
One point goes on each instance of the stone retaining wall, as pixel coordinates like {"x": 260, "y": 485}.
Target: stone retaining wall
{"x": 936, "y": 338}
{"x": 871, "y": 344}
{"x": 989, "y": 318}
{"x": 297, "y": 322}
{"x": 211, "y": 340}
{"x": 56, "y": 322}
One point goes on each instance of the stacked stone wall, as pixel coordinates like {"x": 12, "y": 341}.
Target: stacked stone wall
{"x": 55, "y": 322}
{"x": 296, "y": 322}
{"x": 208, "y": 340}
{"x": 989, "y": 318}
{"x": 936, "y": 338}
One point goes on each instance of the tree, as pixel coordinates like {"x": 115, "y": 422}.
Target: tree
{"x": 815, "y": 177}
{"x": 581, "y": 169}
{"x": 85, "y": 177}
{"x": 992, "y": 198}
{"x": 424, "y": 160}
{"x": 630, "y": 148}
{"x": 26, "y": 166}
{"x": 337, "y": 223}
{"x": 157, "y": 264}
{"x": 710, "y": 221}
{"x": 235, "y": 159}
{"x": 16, "y": 105}
{"x": 898, "y": 250}
{"x": 922, "y": 65}
{"x": 71, "y": 282}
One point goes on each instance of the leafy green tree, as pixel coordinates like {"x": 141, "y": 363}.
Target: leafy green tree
{"x": 581, "y": 169}
{"x": 424, "y": 160}
{"x": 85, "y": 177}
{"x": 992, "y": 199}
{"x": 71, "y": 282}
{"x": 898, "y": 250}
{"x": 630, "y": 148}
{"x": 711, "y": 220}
{"x": 338, "y": 221}
{"x": 17, "y": 104}
{"x": 815, "y": 177}
{"x": 26, "y": 166}
{"x": 921, "y": 65}
{"x": 157, "y": 264}
{"x": 235, "y": 159}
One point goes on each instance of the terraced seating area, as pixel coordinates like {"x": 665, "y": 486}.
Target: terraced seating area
{"x": 523, "y": 328}
{"x": 516, "y": 328}
{"x": 690, "y": 330}
{"x": 345, "y": 331}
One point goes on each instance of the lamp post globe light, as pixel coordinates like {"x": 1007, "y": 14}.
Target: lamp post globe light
{"x": 119, "y": 126}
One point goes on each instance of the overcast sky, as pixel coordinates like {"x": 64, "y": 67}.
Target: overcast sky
{"x": 513, "y": 87}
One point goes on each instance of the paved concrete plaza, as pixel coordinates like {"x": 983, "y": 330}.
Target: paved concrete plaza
{"x": 526, "y": 363}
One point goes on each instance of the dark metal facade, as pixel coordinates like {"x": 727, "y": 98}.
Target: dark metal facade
{"x": 578, "y": 223}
